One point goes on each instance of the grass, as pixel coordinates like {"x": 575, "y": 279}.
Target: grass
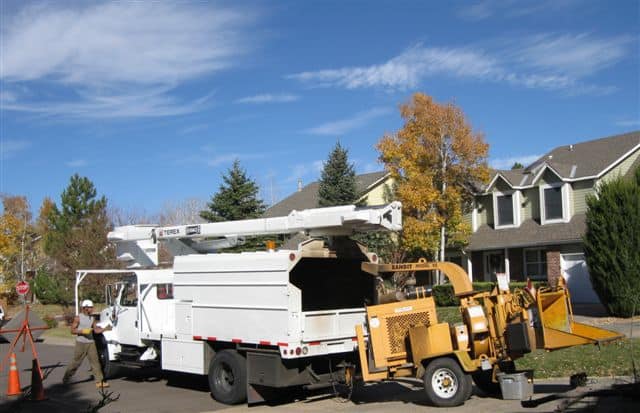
{"x": 609, "y": 360}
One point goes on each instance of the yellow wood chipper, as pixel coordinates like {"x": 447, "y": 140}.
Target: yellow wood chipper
{"x": 403, "y": 337}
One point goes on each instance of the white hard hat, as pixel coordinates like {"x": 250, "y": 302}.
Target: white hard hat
{"x": 87, "y": 303}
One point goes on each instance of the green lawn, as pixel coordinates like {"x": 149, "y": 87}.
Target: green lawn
{"x": 612, "y": 359}
{"x": 609, "y": 360}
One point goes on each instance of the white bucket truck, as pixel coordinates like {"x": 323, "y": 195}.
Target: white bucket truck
{"x": 251, "y": 321}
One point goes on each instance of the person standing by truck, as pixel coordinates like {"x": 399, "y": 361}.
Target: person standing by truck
{"x": 83, "y": 326}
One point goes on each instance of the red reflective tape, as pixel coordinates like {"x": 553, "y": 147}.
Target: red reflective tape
{"x": 314, "y": 343}
{"x": 354, "y": 338}
{"x": 236, "y": 340}
{"x": 265, "y": 343}
{"x": 197, "y": 337}
{"x": 283, "y": 345}
{"x": 211, "y": 338}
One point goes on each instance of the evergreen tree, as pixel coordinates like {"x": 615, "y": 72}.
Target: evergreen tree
{"x": 517, "y": 165}
{"x": 77, "y": 230}
{"x": 237, "y": 198}
{"x": 338, "y": 180}
{"x": 612, "y": 244}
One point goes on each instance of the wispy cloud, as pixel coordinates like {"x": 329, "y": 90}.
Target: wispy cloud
{"x": 307, "y": 172}
{"x": 10, "y": 147}
{"x": 77, "y": 163}
{"x": 628, "y": 123}
{"x": 549, "y": 62}
{"x": 484, "y": 9}
{"x": 210, "y": 156}
{"x": 117, "y": 59}
{"x": 343, "y": 126}
{"x": 269, "y": 98}
{"x": 506, "y": 163}
{"x": 578, "y": 55}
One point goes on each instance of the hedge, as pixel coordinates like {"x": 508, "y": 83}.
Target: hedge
{"x": 444, "y": 296}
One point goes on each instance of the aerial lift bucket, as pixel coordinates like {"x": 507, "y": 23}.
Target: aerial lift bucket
{"x": 559, "y": 330}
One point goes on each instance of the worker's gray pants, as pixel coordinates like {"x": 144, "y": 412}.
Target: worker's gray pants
{"x": 82, "y": 350}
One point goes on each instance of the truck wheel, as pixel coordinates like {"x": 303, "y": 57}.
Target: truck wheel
{"x": 110, "y": 369}
{"x": 228, "y": 377}
{"x": 446, "y": 384}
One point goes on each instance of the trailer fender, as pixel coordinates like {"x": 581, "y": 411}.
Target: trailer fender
{"x": 461, "y": 356}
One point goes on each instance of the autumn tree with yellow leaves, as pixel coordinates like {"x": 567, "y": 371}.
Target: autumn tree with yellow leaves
{"x": 436, "y": 160}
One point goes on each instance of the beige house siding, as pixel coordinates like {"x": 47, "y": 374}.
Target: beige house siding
{"x": 579, "y": 193}
{"x": 485, "y": 210}
{"x": 548, "y": 177}
{"x": 377, "y": 195}
{"x": 622, "y": 168}
{"x": 531, "y": 204}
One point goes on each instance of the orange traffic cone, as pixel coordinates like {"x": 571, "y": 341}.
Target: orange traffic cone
{"x": 37, "y": 390}
{"x": 13, "y": 389}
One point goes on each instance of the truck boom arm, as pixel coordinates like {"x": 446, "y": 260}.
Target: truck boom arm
{"x": 136, "y": 243}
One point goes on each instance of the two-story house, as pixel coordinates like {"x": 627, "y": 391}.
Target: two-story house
{"x": 529, "y": 223}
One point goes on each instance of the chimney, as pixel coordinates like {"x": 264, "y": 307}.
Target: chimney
{"x": 299, "y": 184}
{"x": 571, "y": 148}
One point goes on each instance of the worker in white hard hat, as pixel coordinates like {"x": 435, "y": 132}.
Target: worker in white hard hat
{"x": 83, "y": 327}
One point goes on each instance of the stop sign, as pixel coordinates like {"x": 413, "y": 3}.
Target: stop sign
{"x": 22, "y": 287}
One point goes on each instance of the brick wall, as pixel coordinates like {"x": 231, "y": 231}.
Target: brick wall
{"x": 553, "y": 267}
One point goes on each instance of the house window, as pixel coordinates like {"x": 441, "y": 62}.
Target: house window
{"x": 554, "y": 203}
{"x": 535, "y": 263}
{"x": 506, "y": 213}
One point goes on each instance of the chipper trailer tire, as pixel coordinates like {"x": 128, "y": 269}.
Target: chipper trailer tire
{"x": 445, "y": 383}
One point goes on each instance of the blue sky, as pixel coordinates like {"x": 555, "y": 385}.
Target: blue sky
{"x": 153, "y": 101}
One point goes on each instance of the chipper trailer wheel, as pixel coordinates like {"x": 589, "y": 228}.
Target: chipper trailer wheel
{"x": 446, "y": 384}
{"x": 228, "y": 377}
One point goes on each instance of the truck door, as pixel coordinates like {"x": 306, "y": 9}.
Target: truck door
{"x": 128, "y": 320}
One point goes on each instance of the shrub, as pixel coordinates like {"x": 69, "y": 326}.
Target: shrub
{"x": 51, "y": 321}
{"x": 444, "y": 296}
{"x": 49, "y": 289}
{"x": 612, "y": 243}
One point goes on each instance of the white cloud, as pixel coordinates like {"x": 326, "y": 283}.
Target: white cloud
{"x": 77, "y": 163}
{"x": 577, "y": 55}
{"x": 485, "y": 9}
{"x": 507, "y": 163}
{"x": 627, "y": 123}
{"x": 269, "y": 98}
{"x": 10, "y": 147}
{"x": 118, "y": 59}
{"x": 343, "y": 126}
{"x": 550, "y": 62}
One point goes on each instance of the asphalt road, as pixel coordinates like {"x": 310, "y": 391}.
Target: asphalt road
{"x": 156, "y": 392}
{"x": 148, "y": 392}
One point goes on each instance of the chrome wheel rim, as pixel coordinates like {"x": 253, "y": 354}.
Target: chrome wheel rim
{"x": 444, "y": 383}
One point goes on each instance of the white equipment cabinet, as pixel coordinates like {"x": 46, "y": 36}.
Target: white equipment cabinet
{"x": 252, "y": 321}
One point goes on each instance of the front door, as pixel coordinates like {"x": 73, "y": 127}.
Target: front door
{"x": 493, "y": 264}
{"x": 128, "y": 321}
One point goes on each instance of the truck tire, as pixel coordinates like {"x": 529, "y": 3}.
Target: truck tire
{"x": 110, "y": 369}
{"x": 228, "y": 377}
{"x": 446, "y": 384}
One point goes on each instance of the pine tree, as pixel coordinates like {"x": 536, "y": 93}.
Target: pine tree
{"x": 237, "y": 198}
{"x": 338, "y": 179}
{"x": 612, "y": 244}
{"x": 77, "y": 230}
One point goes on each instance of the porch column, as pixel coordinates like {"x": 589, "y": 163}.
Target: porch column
{"x": 506, "y": 264}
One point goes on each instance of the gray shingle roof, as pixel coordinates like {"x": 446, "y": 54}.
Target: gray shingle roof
{"x": 576, "y": 161}
{"x": 308, "y": 196}
{"x": 529, "y": 233}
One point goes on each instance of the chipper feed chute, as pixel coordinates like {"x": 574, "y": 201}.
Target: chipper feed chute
{"x": 557, "y": 326}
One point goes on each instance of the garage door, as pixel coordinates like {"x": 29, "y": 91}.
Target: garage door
{"x": 576, "y": 273}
